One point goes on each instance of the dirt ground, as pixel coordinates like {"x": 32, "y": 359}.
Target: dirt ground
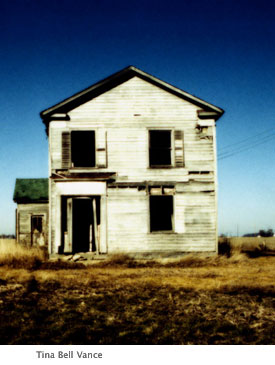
{"x": 190, "y": 301}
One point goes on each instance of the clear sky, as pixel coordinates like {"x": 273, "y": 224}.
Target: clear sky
{"x": 222, "y": 51}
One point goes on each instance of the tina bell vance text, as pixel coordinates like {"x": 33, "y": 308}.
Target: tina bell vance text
{"x": 68, "y": 355}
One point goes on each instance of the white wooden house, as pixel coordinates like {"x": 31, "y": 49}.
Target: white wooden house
{"x": 132, "y": 164}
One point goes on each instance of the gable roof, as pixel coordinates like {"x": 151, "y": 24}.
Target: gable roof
{"x": 114, "y": 80}
{"x": 31, "y": 191}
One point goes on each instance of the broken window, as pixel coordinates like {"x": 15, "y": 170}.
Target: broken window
{"x": 161, "y": 213}
{"x": 83, "y": 149}
{"x": 160, "y": 148}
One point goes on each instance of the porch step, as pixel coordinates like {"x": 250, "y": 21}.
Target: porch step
{"x": 78, "y": 257}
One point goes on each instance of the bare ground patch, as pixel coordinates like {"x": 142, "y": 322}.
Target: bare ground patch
{"x": 215, "y": 301}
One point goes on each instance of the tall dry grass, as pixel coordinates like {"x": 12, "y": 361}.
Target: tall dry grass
{"x": 18, "y": 256}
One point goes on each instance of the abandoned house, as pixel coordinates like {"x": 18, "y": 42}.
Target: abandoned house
{"x": 31, "y": 196}
{"x": 132, "y": 169}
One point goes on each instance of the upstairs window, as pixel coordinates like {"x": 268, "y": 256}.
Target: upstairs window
{"x": 160, "y": 148}
{"x": 83, "y": 148}
{"x": 78, "y": 149}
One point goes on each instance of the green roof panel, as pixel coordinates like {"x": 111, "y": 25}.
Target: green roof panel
{"x": 31, "y": 190}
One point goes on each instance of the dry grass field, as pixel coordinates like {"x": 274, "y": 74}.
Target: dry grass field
{"x": 192, "y": 300}
{"x": 249, "y": 244}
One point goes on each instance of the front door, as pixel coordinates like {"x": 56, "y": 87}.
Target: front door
{"x": 82, "y": 224}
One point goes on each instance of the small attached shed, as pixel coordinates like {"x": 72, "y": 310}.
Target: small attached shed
{"x": 32, "y": 198}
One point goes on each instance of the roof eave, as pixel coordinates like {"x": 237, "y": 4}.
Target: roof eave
{"x": 30, "y": 201}
{"x": 114, "y": 80}
{"x": 202, "y": 114}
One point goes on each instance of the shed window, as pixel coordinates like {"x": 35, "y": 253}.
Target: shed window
{"x": 160, "y": 148}
{"x": 161, "y": 213}
{"x": 83, "y": 148}
{"x": 36, "y": 223}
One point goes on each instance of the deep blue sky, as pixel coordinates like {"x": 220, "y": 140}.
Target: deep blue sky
{"x": 220, "y": 51}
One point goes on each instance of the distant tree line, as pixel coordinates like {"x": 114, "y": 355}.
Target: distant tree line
{"x": 262, "y": 233}
{"x": 7, "y": 236}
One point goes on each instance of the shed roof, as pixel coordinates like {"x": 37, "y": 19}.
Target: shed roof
{"x": 31, "y": 191}
{"x": 61, "y": 109}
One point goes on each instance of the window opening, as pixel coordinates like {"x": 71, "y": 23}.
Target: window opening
{"x": 83, "y": 148}
{"x": 161, "y": 213}
{"x": 36, "y": 222}
{"x": 160, "y": 148}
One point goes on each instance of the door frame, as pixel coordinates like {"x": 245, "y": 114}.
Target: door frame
{"x": 78, "y": 189}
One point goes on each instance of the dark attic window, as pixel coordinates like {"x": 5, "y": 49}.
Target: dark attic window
{"x": 160, "y": 148}
{"x": 83, "y": 148}
{"x": 161, "y": 213}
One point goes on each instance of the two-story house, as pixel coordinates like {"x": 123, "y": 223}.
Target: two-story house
{"x": 132, "y": 164}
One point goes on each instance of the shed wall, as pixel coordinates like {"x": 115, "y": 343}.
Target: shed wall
{"x": 24, "y": 214}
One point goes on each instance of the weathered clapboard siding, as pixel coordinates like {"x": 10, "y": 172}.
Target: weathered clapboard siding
{"x": 125, "y": 146}
{"x": 24, "y": 214}
{"x": 125, "y": 114}
{"x": 134, "y": 98}
{"x": 128, "y": 208}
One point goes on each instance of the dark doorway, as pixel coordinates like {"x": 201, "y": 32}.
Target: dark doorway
{"x": 80, "y": 224}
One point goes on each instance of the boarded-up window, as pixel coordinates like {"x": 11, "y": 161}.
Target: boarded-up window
{"x": 160, "y": 148}
{"x": 161, "y": 213}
